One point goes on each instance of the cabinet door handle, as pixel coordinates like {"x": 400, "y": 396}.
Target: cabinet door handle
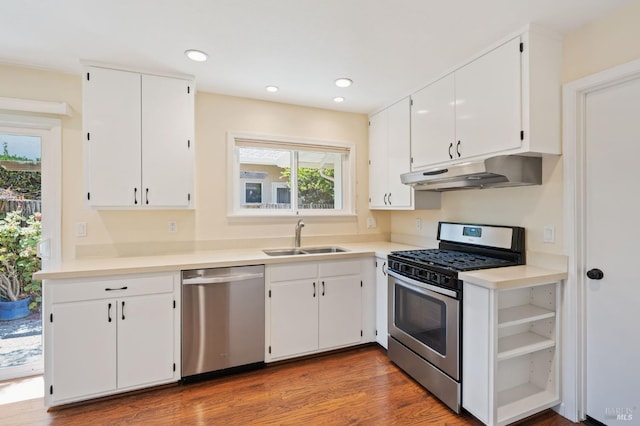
{"x": 147, "y": 195}
{"x": 389, "y": 198}
{"x": 115, "y": 289}
{"x": 384, "y": 271}
{"x": 385, "y": 198}
{"x": 323, "y": 288}
{"x": 135, "y": 196}
{"x": 458, "y": 149}
{"x": 450, "y": 147}
{"x": 314, "y": 289}
{"x": 109, "y": 312}
{"x": 123, "y": 309}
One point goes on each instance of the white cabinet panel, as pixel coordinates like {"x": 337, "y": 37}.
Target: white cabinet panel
{"x": 100, "y": 347}
{"x": 340, "y": 312}
{"x": 294, "y": 317}
{"x": 399, "y": 154}
{"x": 389, "y": 157}
{"x": 489, "y": 102}
{"x": 433, "y": 123}
{"x": 83, "y": 353}
{"x": 145, "y": 339}
{"x": 382, "y": 308}
{"x": 506, "y": 100}
{"x": 378, "y": 148}
{"x": 111, "y": 122}
{"x": 318, "y": 313}
{"x": 138, "y": 140}
{"x": 167, "y": 133}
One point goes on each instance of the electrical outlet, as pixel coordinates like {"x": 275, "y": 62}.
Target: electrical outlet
{"x": 418, "y": 224}
{"x": 172, "y": 226}
{"x": 549, "y": 234}
{"x": 81, "y": 229}
{"x": 371, "y": 222}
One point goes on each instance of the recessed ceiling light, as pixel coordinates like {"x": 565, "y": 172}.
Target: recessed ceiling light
{"x": 272, "y": 89}
{"x": 196, "y": 55}
{"x": 338, "y": 99}
{"x": 344, "y": 82}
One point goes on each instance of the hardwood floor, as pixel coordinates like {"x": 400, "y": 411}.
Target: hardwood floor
{"x": 359, "y": 386}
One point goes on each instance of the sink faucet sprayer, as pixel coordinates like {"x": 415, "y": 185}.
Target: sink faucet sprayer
{"x": 299, "y": 227}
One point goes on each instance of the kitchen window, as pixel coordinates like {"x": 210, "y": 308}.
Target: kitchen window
{"x": 278, "y": 176}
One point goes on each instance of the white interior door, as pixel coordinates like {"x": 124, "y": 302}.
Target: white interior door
{"x": 612, "y": 204}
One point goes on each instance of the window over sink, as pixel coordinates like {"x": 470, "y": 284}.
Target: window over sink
{"x": 281, "y": 176}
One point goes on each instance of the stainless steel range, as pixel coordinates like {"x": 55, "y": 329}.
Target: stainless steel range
{"x": 425, "y": 295}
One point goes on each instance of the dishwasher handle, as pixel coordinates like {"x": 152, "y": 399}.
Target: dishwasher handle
{"x": 221, "y": 279}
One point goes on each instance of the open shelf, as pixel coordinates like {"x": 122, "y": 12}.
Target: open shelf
{"x": 522, "y": 344}
{"x": 522, "y": 314}
{"x": 523, "y": 400}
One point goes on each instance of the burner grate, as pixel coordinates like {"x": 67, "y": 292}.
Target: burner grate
{"x": 453, "y": 259}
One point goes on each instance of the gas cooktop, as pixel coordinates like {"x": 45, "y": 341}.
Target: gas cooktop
{"x": 453, "y": 260}
{"x": 462, "y": 247}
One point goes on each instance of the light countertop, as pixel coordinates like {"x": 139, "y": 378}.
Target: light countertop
{"x": 512, "y": 277}
{"x": 95, "y": 267}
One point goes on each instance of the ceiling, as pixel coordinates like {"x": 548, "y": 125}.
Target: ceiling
{"x": 388, "y": 47}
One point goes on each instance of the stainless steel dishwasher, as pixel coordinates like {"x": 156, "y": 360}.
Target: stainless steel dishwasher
{"x": 222, "y": 320}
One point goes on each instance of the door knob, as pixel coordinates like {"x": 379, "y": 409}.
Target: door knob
{"x": 595, "y": 274}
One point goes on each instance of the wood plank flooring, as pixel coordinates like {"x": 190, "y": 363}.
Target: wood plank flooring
{"x": 359, "y": 386}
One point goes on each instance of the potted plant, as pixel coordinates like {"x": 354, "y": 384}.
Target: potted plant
{"x": 19, "y": 237}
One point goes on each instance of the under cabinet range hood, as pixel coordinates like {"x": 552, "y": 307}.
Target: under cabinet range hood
{"x": 495, "y": 172}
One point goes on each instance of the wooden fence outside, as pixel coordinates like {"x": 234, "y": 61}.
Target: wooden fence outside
{"x": 28, "y": 207}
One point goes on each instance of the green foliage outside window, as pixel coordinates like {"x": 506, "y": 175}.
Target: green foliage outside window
{"x": 19, "y": 238}
{"x": 313, "y": 188}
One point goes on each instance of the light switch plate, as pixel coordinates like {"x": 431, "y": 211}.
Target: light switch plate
{"x": 549, "y": 234}
{"x": 371, "y": 222}
{"x": 81, "y": 229}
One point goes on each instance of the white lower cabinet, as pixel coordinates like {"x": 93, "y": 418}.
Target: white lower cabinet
{"x": 382, "y": 296}
{"x": 107, "y": 336}
{"x": 312, "y": 307}
{"x": 511, "y": 351}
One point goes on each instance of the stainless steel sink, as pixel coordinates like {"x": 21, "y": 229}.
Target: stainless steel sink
{"x": 306, "y": 250}
{"x": 284, "y": 252}
{"x": 316, "y": 250}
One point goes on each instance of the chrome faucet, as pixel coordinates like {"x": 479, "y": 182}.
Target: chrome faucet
{"x": 299, "y": 227}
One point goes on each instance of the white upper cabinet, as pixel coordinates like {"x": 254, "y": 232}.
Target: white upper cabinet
{"x": 488, "y": 103}
{"x": 505, "y": 101}
{"x": 433, "y": 122}
{"x": 389, "y": 157}
{"x": 167, "y": 135}
{"x": 138, "y": 137}
{"x": 112, "y": 128}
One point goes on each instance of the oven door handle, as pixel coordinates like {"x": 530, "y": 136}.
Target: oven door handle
{"x": 421, "y": 285}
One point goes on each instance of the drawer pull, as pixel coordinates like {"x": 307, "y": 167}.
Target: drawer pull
{"x": 115, "y": 289}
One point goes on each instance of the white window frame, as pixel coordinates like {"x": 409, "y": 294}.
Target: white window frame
{"x": 234, "y": 189}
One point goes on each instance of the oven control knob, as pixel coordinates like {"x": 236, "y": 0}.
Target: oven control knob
{"x": 435, "y": 277}
{"x": 595, "y": 274}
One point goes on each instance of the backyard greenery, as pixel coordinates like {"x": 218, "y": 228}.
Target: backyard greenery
{"x": 313, "y": 188}
{"x": 19, "y": 237}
